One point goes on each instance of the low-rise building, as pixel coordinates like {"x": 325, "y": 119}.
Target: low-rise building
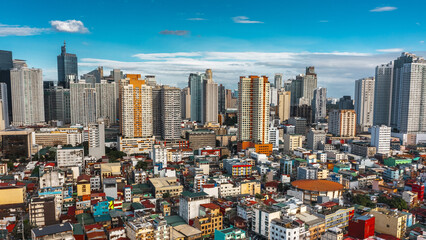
{"x": 189, "y": 204}
{"x": 390, "y": 222}
{"x": 209, "y": 219}
{"x": 70, "y": 157}
{"x": 262, "y": 220}
{"x": 168, "y": 185}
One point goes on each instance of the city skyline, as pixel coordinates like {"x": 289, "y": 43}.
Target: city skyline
{"x": 343, "y": 41}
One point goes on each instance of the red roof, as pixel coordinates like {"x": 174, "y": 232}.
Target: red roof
{"x": 329, "y": 204}
{"x": 270, "y": 201}
{"x": 208, "y": 185}
{"x": 271, "y": 184}
{"x": 92, "y": 226}
{"x": 147, "y": 204}
{"x": 210, "y": 205}
{"x": 83, "y": 177}
{"x": 51, "y": 164}
{"x": 10, "y": 227}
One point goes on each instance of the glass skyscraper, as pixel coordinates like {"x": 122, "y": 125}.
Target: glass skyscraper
{"x": 67, "y": 68}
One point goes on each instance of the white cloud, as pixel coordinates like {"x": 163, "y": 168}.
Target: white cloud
{"x": 71, "y": 26}
{"x": 196, "y": 19}
{"x": 244, "y": 19}
{"x": 421, "y": 42}
{"x": 16, "y": 30}
{"x": 336, "y": 70}
{"x": 390, "y": 50}
{"x": 383, "y": 9}
{"x": 175, "y": 32}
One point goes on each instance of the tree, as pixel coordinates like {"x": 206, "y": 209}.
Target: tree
{"x": 258, "y": 196}
{"x": 394, "y": 202}
{"x": 362, "y": 200}
{"x": 142, "y": 165}
{"x": 166, "y": 195}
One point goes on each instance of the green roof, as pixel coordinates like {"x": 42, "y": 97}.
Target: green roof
{"x": 88, "y": 219}
{"x": 77, "y": 229}
{"x": 137, "y": 205}
{"x": 193, "y": 195}
{"x": 174, "y": 220}
{"x": 102, "y": 218}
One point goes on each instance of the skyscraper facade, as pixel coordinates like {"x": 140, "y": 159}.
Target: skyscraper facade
{"x": 6, "y": 64}
{"x": 185, "y": 99}
{"x": 4, "y": 105}
{"x": 136, "y": 107}
{"x": 67, "y": 68}
{"x": 283, "y": 108}
{"x": 221, "y": 99}
{"x": 57, "y": 104}
{"x": 27, "y": 95}
{"x": 383, "y": 94}
{"x": 302, "y": 88}
{"x": 170, "y": 113}
{"x": 196, "y": 85}
{"x": 83, "y": 103}
{"x": 106, "y": 100}
{"x": 278, "y": 81}
{"x": 253, "y": 109}
{"x": 364, "y": 102}
{"x": 342, "y": 123}
{"x": 96, "y": 136}
{"x": 381, "y": 138}
{"x": 319, "y": 104}
{"x": 400, "y": 83}
{"x": 210, "y": 99}
{"x": 156, "y": 111}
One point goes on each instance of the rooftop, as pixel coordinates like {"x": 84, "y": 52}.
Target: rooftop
{"x": 317, "y": 185}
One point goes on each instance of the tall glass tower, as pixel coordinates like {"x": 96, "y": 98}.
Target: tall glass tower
{"x": 67, "y": 68}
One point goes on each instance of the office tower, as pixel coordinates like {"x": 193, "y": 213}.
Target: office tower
{"x": 315, "y": 137}
{"x": 106, "y": 100}
{"x": 83, "y": 103}
{"x": 231, "y": 101}
{"x": 292, "y": 141}
{"x": 346, "y": 102}
{"x": 67, "y": 68}
{"x": 117, "y": 75}
{"x": 166, "y": 112}
{"x": 342, "y": 122}
{"x": 27, "y": 95}
{"x": 150, "y": 80}
{"x": 57, "y": 104}
{"x": 185, "y": 99}
{"x": 274, "y": 135}
{"x": 196, "y": 84}
{"x": 381, "y": 138}
{"x": 6, "y": 64}
{"x": 319, "y": 104}
{"x": 253, "y": 109}
{"x": 302, "y": 88}
{"x": 96, "y": 136}
{"x": 221, "y": 99}
{"x": 210, "y": 101}
{"x": 383, "y": 94}
{"x": 273, "y": 96}
{"x": 94, "y": 76}
{"x": 302, "y": 111}
{"x": 136, "y": 107}
{"x": 170, "y": 113}
{"x": 283, "y": 108}
{"x": 299, "y": 124}
{"x": 204, "y": 97}
{"x": 278, "y": 81}
{"x": 4, "y": 105}
{"x": 156, "y": 111}
{"x": 364, "y": 103}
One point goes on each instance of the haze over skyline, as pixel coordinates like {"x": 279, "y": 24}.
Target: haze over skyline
{"x": 344, "y": 41}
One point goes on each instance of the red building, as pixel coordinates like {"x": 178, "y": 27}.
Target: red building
{"x": 416, "y": 187}
{"x": 362, "y": 227}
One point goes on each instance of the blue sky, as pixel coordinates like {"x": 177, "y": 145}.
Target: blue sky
{"x": 345, "y": 40}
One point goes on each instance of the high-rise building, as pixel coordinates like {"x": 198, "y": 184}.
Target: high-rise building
{"x": 150, "y": 80}
{"x": 57, "y": 104}
{"x": 278, "y": 81}
{"x": 302, "y": 88}
{"x": 315, "y": 137}
{"x": 170, "y": 113}
{"x": 4, "y": 102}
{"x": 156, "y": 111}
{"x": 381, "y": 138}
{"x": 27, "y": 95}
{"x": 342, "y": 122}
{"x": 185, "y": 100}
{"x": 6, "y": 64}
{"x": 346, "y": 102}
{"x": 383, "y": 94}
{"x": 196, "y": 85}
{"x": 204, "y": 97}
{"x": 273, "y": 96}
{"x": 221, "y": 99}
{"x": 106, "y": 100}
{"x": 83, "y": 103}
{"x": 319, "y": 104}
{"x": 231, "y": 100}
{"x": 67, "y": 68}
{"x": 364, "y": 103}
{"x": 210, "y": 101}
{"x": 283, "y": 108}
{"x": 253, "y": 109}
{"x": 96, "y": 136}
{"x": 136, "y": 107}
